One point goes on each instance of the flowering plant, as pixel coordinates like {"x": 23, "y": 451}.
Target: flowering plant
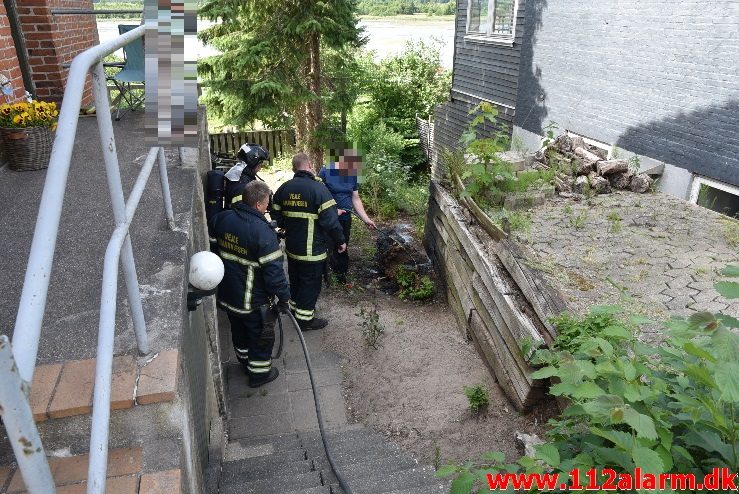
{"x": 28, "y": 114}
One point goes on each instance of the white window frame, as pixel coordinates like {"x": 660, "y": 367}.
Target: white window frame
{"x": 505, "y": 39}
{"x": 698, "y": 180}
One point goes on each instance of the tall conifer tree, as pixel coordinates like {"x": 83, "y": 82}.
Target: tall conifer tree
{"x": 269, "y": 68}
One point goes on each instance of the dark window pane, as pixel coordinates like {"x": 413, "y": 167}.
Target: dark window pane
{"x": 503, "y": 21}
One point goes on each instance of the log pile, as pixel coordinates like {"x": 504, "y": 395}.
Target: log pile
{"x": 583, "y": 168}
{"x": 502, "y": 304}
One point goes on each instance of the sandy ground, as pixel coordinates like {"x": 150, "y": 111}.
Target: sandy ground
{"x": 411, "y": 387}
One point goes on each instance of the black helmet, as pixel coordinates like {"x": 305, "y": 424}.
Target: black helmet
{"x": 252, "y": 154}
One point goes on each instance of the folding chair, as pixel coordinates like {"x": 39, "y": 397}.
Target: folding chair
{"x": 132, "y": 72}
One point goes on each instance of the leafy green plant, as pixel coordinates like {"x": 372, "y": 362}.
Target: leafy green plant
{"x": 634, "y": 164}
{"x": 550, "y": 133}
{"x": 372, "y": 328}
{"x": 412, "y": 285}
{"x": 477, "y": 396}
{"x": 665, "y": 408}
{"x": 486, "y": 169}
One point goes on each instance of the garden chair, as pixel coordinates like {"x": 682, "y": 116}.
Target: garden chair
{"x": 131, "y": 73}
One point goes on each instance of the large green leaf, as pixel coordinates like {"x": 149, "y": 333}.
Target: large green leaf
{"x": 642, "y": 424}
{"x": 692, "y": 349}
{"x": 616, "y": 331}
{"x": 710, "y": 442}
{"x": 727, "y": 289}
{"x": 731, "y": 271}
{"x": 726, "y": 345}
{"x": 493, "y": 457}
{"x": 648, "y": 460}
{"x": 463, "y": 484}
{"x": 548, "y": 454}
{"x": 544, "y": 372}
{"x": 587, "y": 390}
{"x": 446, "y": 470}
{"x": 728, "y": 321}
{"x": 623, "y": 440}
{"x": 727, "y": 380}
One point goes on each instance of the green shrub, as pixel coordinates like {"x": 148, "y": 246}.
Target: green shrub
{"x": 372, "y": 328}
{"x": 412, "y": 285}
{"x": 477, "y": 396}
{"x": 665, "y": 408}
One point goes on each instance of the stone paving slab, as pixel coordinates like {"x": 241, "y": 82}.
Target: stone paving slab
{"x": 650, "y": 253}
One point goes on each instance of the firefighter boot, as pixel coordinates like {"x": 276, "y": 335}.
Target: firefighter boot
{"x": 315, "y": 323}
{"x": 256, "y": 380}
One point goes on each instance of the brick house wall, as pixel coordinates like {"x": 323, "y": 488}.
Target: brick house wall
{"x": 53, "y": 40}
{"x": 8, "y": 60}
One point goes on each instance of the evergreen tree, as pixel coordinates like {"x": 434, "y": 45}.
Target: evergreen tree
{"x": 269, "y": 68}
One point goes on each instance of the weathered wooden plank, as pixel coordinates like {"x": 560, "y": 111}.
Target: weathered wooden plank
{"x": 487, "y": 348}
{"x": 544, "y": 299}
{"x": 498, "y": 287}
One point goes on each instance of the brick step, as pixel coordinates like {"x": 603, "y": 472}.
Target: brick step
{"x": 66, "y": 389}
{"x": 124, "y": 475}
{"x": 277, "y": 485}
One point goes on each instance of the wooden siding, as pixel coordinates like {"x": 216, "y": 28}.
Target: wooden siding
{"x": 486, "y": 70}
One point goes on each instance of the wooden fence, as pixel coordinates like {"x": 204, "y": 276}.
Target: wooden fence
{"x": 426, "y": 135}
{"x": 277, "y": 142}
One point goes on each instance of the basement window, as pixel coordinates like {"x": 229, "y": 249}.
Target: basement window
{"x": 716, "y": 196}
{"x": 492, "y": 20}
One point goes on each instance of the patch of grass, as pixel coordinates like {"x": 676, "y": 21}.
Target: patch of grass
{"x": 731, "y": 232}
{"x": 413, "y": 286}
{"x": 578, "y": 221}
{"x": 614, "y": 222}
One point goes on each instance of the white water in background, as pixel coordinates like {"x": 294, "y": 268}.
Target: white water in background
{"x": 386, "y": 36}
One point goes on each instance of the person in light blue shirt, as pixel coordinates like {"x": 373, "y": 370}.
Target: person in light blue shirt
{"x": 341, "y": 178}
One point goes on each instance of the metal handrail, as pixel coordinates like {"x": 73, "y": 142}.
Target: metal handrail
{"x": 17, "y": 415}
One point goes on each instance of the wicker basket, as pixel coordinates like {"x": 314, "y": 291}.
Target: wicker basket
{"x": 27, "y": 149}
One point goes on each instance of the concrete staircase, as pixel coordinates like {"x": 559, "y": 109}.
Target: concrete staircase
{"x": 274, "y": 446}
{"x": 297, "y": 464}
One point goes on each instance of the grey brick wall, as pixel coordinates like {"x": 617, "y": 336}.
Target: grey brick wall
{"x": 655, "y": 77}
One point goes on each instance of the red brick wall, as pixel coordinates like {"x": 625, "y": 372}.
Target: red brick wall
{"x": 9, "y": 61}
{"x": 53, "y": 40}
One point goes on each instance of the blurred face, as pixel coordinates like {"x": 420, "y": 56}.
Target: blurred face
{"x": 261, "y": 206}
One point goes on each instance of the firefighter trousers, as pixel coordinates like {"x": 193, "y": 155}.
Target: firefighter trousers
{"x": 305, "y": 287}
{"x": 253, "y": 336}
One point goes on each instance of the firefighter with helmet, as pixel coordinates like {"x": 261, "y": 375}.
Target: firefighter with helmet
{"x": 250, "y": 158}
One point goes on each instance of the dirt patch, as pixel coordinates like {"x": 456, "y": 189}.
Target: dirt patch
{"x": 411, "y": 387}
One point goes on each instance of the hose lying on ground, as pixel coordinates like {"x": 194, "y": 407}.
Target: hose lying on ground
{"x": 339, "y": 476}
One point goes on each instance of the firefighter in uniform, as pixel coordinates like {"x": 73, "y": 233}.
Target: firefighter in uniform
{"x": 303, "y": 206}
{"x": 253, "y": 275}
{"x": 250, "y": 156}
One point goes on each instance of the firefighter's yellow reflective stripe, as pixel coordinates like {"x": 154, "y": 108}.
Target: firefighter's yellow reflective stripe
{"x": 309, "y": 241}
{"x": 249, "y": 286}
{"x": 235, "y": 309}
{"x": 239, "y": 351}
{"x": 257, "y": 370}
{"x": 276, "y": 206}
{"x": 212, "y": 240}
{"x": 260, "y": 363}
{"x": 270, "y": 257}
{"x": 301, "y": 317}
{"x": 236, "y": 199}
{"x": 233, "y": 257}
{"x": 304, "y": 312}
{"x": 300, "y": 214}
{"x": 326, "y": 205}
{"x": 291, "y": 303}
{"x": 318, "y": 257}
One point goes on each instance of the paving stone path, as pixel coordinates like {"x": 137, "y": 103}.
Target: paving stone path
{"x": 273, "y": 440}
{"x": 650, "y": 253}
